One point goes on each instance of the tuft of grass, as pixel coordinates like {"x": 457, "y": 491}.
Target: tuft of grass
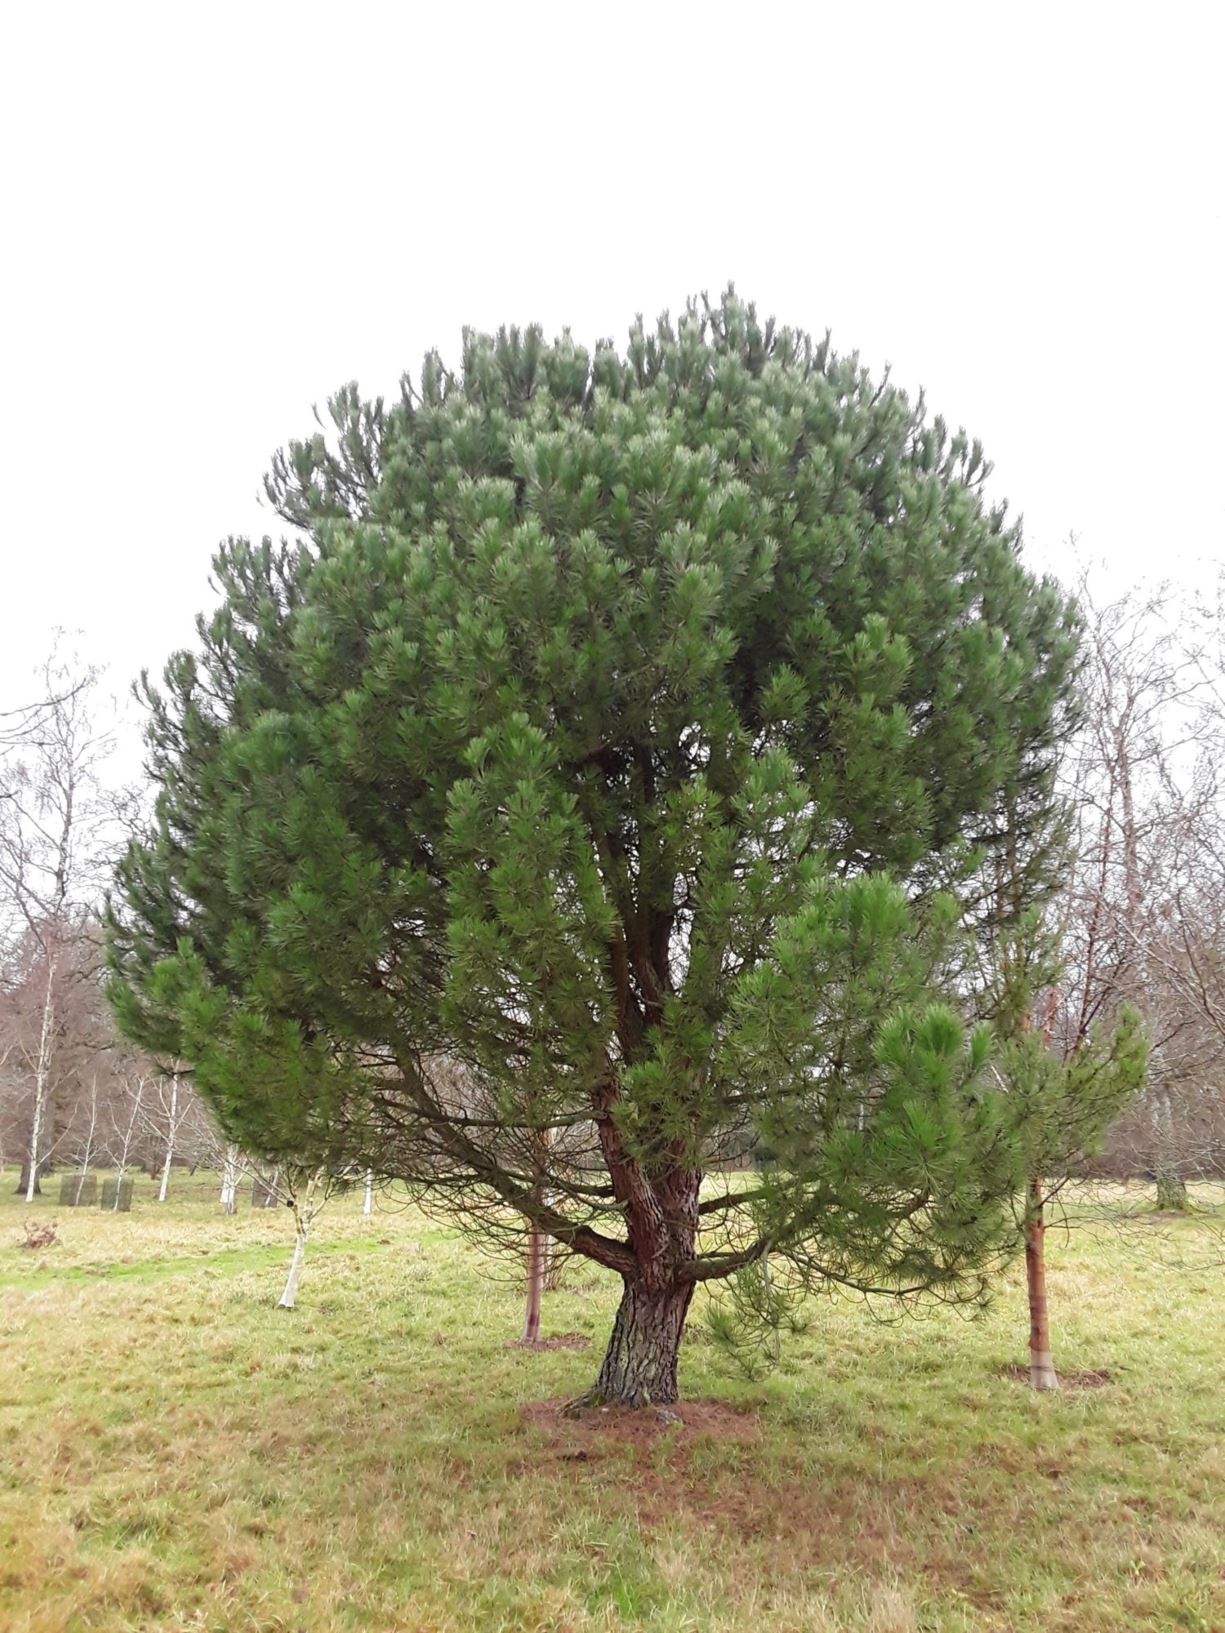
{"x": 178, "y": 1453}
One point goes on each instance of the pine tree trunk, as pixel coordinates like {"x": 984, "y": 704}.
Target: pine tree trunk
{"x": 535, "y": 1286}
{"x": 1042, "y": 1374}
{"x": 640, "y": 1364}
{"x": 368, "y": 1199}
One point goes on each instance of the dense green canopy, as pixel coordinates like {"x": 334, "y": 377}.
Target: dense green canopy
{"x": 595, "y": 790}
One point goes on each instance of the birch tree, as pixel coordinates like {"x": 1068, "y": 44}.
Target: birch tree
{"x": 231, "y": 1169}
{"x": 53, "y": 826}
{"x": 307, "y": 1194}
{"x": 87, "y": 1150}
{"x": 1130, "y": 778}
{"x": 127, "y": 1125}
{"x": 174, "y": 1109}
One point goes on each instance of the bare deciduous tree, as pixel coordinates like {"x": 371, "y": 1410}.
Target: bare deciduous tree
{"x": 1136, "y": 786}
{"x": 54, "y": 822}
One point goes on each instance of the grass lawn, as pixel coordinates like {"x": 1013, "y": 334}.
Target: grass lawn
{"x": 179, "y": 1453}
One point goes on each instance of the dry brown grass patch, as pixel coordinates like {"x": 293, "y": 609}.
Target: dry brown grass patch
{"x": 561, "y": 1340}
{"x": 622, "y": 1425}
{"x": 1087, "y": 1379}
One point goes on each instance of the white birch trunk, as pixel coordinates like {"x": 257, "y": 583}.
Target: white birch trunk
{"x": 173, "y": 1126}
{"x": 286, "y": 1301}
{"x": 229, "y": 1180}
{"x": 126, "y": 1147}
{"x": 303, "y": 1218}
{"x": 89, "y": 1137}
{"x": 42, "y": 1071}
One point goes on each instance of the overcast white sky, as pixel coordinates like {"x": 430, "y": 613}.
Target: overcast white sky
{"x": 214, "y": 215}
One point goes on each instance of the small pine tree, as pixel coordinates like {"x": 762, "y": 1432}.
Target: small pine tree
{"x": 1064, "y": 1085}
{"x": 1059, "y": 1110}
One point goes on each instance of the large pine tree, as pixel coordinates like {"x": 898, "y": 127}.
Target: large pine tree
{"x": 592, "y": 796}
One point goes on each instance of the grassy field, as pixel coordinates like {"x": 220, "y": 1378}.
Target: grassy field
{"x": 179, "y": 1453}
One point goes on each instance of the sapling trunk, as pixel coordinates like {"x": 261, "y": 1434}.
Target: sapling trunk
{"x": 127, "y": 1137}
{"x": 537, "y": 1250}
{"x": 174, "y": 1113}
{"x": 303, "y": 1217}
{"x": 89, "y": 1139}
{"x": 536, "y": 1244}
{"x": 286, "y": 1301}
{"x": 1042, "y": 1374}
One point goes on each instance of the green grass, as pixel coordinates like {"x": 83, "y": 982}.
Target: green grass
{"x": 179, "y": 1453}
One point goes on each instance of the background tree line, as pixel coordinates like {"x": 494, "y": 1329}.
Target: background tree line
{"x": 1142, "y": 911}
{"x": 73, "y": 1095}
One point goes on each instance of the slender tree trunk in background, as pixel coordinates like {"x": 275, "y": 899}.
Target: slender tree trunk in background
{"x": 368, "y": 1199}
{"x": 554, "y": 1259}
{"x": 303, "y": 1217}
{"x": 639, "y": 1366}
{"x": 174, "y": 1116}
{"x": 23, "y": 1178}
{"x": 229, "y": 1180}
{"x": 1171, "y": 1192}
{"x": 535, "y": 1286}
{"x": 89, "y": 1138}
{"x": 41, "y": 1072}
{"x": 125, "y": 1149}
{"x": 1042, "y": 1373}
{"x": 1171, "y": 1187}
{"x": 537, "y": 1252}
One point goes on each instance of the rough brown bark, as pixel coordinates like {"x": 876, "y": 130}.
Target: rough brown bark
{"x": 1042, "y": 1374}
{"x": 639, "y": 1366}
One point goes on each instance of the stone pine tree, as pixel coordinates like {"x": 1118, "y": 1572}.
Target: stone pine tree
{"x": 588, "y": 797}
